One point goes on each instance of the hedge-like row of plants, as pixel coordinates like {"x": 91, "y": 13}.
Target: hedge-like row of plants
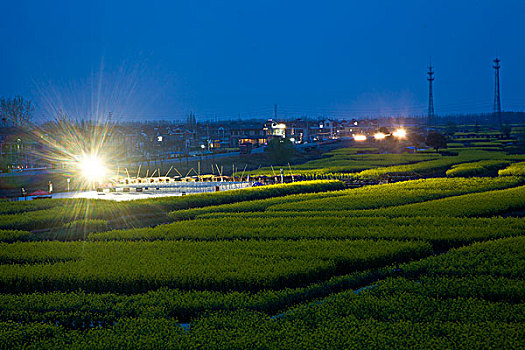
{"x": 516, "y": 169}
{"x": 400, "y": 193}
{"x": 481, "y": 168}
{"x": 137, "y": 267}
{"x": 86, "y": 209}
{"x": 443, "y": 233}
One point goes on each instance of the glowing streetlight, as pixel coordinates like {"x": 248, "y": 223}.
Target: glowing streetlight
{"x": 379, "y": 136}
{"x": 92, "y": 168}
{"x": 400, "y": 133}
{"x": 360, "y": 137}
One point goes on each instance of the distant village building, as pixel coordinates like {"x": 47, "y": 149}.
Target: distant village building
{"x": 247, "y": 134}
{"x": 275, "y": 129}
{"x": 19, "y": 149}
{"x": 299, "y": 131}
{"x": 152, "y": 141}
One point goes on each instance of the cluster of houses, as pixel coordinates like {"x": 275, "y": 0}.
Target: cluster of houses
{"x": 232, "y": 134}
{"x": 22, "y": 148}
{"x": 220, "y": 137}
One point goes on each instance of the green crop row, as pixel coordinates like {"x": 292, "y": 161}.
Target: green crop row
{"x": 27, "y": 206}
{"x": 38, "y": 252}
{"x": 487, "y": 144}
{"x": 74, "y": 230}
{"x": 250, "y": 330}
{"x": 85, "y": 209}
{"x": 489, "y": 203}
{"x": 58, "y": 217}
{"x": 471, "y": 297}
{"x": 352, "y": 151}
{"x": 366, "y": 160}
{"x": 246, "y": 194}
{"x": 399, "y": 193}
{"x": 78, "y": 309}
{"x": 67, "y": 212}
{"x": 252, "y": 206}
{"x": 36, "y": 220}
{"x": 432, "y": 166}
{"x": 485, "y": 286}
{"x": 442, "y": 233}
{"x": 481, "y": 168}
{"x": 454, "y": 144}
{"x": 344, "y": 162}
{"x": 516, "y": 169}
{"x": 10, "y": 236}
{"x": 134, "y": 267}
{"x": 399, "y": 305}
{"x": 499, "y": 258}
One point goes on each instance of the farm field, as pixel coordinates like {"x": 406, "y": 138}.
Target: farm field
{"x": 369, "y": 163}
{"x": 435, "y": 262}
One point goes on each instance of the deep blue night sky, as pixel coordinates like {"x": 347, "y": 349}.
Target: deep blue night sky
{"x": 225, "y": 59}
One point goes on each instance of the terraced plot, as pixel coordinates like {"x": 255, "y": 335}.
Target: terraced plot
{"x": 423, "y": 263}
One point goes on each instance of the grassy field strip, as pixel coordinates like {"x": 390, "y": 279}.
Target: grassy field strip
{"x": 136, "y": 267}
{"x": 470, "y": 297}
{"x": 441, "y": 233}
{"x": 399, "y": 193}
{"x": 86, "y": 209}
{"x": 438, "y": 165}
{"x": 341, "y": 162}
{"x": 516, "y": 169}
{"x": 373, "y": 166}
{"x": 254, "y": 205}
{"x": 78, "y": 309}
{"x": 474, "y": 204}
{"x": 481, "y": 168}
{"x": 416, "y": 264}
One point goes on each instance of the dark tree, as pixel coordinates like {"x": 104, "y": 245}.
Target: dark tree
{"x": 384, "y": 130}
{"x": 17, "y": 110}
{"x": 416, "y": 139}
{"x": 450, "y": 129}
{"x": 279, "y": 150}
{"x": 506, "y": 130}
{"x": 436, "y": 140}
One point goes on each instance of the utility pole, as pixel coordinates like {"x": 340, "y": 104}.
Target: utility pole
{"x": 430, "y": 117}
{"x": 497, "y": 100}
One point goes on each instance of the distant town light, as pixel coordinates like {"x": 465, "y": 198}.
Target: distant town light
{"x": 401, "y": 133}
{"x": 159, "y": 138}
{"x": 360, "y": 137}
{"x": 379, "y": 136}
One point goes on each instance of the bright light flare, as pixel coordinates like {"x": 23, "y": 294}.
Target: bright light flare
{"x": 92, "y": 167}
{"x": 360, "y": 137}
{"x": 379, "y": 136}
{"x": 400, "y": 133}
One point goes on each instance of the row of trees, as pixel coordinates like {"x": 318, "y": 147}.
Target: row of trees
{"x": 434, "y": 139}
{"x": 16, "y": 111}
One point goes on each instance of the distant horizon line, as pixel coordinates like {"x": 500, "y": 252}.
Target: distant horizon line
{"x": 288, "y": 118}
